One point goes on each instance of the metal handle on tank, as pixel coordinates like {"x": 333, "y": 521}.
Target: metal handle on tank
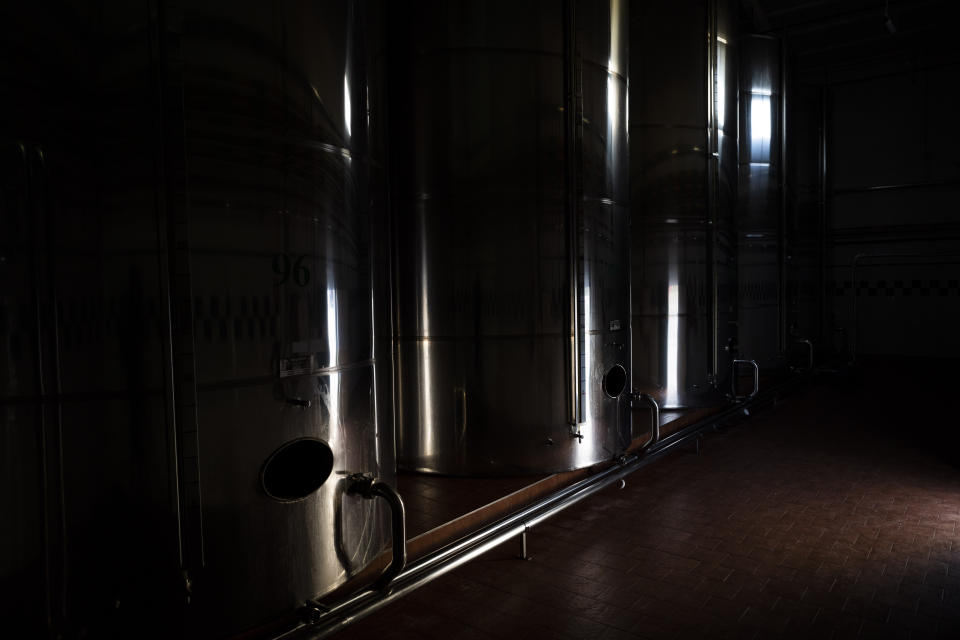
{"x": 654, "y": 414}
{"x": 756, "y": 379}
{"x": 369, "y": 487}
{"x": 463, "y": 414}
{"x": 810, "y": 348}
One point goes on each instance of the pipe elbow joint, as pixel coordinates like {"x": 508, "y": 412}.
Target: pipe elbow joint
{"x": 369, "y": 487}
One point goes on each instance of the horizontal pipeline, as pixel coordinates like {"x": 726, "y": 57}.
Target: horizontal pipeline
{"x": 327, "y": 621}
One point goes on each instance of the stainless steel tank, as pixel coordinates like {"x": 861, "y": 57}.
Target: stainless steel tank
{"x": 725, "y": 184}
{"x": 683, "y": 182}
{"x": 284, "y": 181}
{"x": 760, "y": 225}
{"x": 512, "y": 246}
{"x": 88, "y": 545}
{"x": 189, "y": 266}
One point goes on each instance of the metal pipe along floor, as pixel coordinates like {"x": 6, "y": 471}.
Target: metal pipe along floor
{"x": 832, "y": 514}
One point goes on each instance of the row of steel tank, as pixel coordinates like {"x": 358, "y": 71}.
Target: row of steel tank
{"x": 231, "y": 309}
{"x": 546, "y": 271}
{"x": 708, "y": 201}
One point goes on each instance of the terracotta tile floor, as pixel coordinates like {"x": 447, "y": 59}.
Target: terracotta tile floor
{"x": 432, "y": 500}
{"x": 813, "y": 519}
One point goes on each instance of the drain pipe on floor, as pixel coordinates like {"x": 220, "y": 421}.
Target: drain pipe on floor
{"x": 322, "y": 621}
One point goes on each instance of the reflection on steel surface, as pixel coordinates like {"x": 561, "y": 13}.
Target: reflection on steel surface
{"x": 759, "y": 224}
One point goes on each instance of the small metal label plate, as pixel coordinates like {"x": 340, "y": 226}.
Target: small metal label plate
{"x": 296, "y": 366}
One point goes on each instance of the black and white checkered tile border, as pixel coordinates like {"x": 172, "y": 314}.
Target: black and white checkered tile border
{"x": 902, "y": 288}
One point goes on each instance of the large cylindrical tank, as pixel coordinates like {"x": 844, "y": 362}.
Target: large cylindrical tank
{"x": 683, "y": 185}
{"x": 89, "y": 545}
{"x": 284, "y": 180}
{"x": 191, "y": 202}
{"x": 512, "y": 219}
{"x": 760, "y": 208}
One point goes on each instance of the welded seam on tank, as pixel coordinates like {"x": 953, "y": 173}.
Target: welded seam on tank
{"x": 481, "y": 338}
{"x": 286, "y": 141}
{"x": 272, "y": 378}
{"x": 475, "y": 50}
{"x": 80, "y": 396}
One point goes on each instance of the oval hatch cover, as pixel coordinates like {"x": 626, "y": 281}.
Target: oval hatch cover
{"x": 297, "y": 469}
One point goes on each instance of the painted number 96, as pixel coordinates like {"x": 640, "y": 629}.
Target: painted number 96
{"x": 288, "y": 267}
